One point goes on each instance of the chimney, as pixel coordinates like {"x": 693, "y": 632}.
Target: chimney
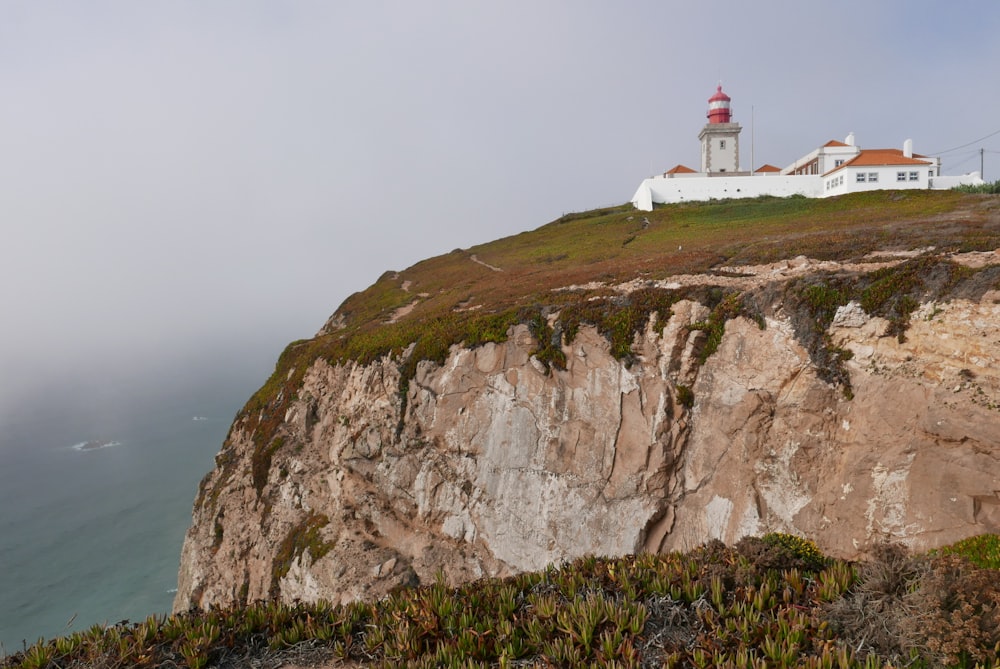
{"x": 908, "y": 148}
{"x": 849, "y": 140}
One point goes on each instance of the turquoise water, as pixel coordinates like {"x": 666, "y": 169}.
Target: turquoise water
{"x": 94, "y": 535}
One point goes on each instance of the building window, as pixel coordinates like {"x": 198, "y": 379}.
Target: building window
{"x": 900, "y": 176}
{"x": 914, "y": 176}
{"x": 838, "y": 162}
{"x": 930, "y": 173}
{"x": 722, "y": 143}
{"x": 873, "y": 177}
{"x": 860, "y": 177}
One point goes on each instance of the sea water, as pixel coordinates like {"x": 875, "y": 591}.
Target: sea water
{"x": 94, "y": 507}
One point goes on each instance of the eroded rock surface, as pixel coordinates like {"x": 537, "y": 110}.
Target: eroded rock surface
{"x": 494, "y": 465}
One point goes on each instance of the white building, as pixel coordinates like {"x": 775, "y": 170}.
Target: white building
{"x": 835, "y": 168}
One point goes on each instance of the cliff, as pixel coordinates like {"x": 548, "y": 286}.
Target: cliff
{"x": 554, "y": 395}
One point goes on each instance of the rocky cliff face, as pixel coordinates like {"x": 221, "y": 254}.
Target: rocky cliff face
{"x": 493, "y": 464}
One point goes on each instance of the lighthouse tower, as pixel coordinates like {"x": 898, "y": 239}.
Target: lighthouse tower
{"x": 720, "y": 138}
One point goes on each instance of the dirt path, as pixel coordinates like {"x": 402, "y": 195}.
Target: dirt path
{"x": 476, "y": 260}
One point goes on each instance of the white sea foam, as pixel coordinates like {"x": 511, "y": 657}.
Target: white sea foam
{"x": 199, "y": 418}
{"x": 95, "y": 444}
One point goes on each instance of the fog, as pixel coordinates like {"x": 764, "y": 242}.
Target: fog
{"x": 187, "y": 186}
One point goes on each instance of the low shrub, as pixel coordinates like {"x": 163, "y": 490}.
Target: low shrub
{"x": 982, "y": 550}
{"x": 875, "y": 615}
{"x": 955, "y": 613}
{"x": 987, "y": 188}
{"x": 803, "y": 550}
{"x": 771, "y": 601}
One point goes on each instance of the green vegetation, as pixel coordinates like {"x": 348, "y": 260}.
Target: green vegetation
{"x": 773, "y": 601}
{"x": 620, "y": 318}
{"x": 982, "y": 551}
{"x": 891, "y": 293}
{"x": 728, "y": 307}
{"x": 802, "y": 549}
{"x": 549, "y": 351}
{"x": 685, "y": 396}
{"x": 260, "y": 461}
{"x": 986, "y": 188}
{"x": 306, "y": 536}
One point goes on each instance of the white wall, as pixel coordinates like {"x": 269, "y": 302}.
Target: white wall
{"x": 801, "y": 161}
{"x": 838, "y": 182}
{"x": 886, "y": 179}
{"x": 693, "y": 189}
{"x": 829, "y": 155}
{"x": 722, "y": 159}
{"x": 944, "y": 183}
{"x": 725, "y": 159}
{"x": 643, "y": 198}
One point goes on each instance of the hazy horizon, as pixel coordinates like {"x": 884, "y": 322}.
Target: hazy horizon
{"x": 184, "y": 184}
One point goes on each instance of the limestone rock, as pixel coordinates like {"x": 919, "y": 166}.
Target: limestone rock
{"x": 494, "y": 465}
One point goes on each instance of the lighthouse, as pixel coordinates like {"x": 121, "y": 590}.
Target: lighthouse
{"x": 720, "y": 138}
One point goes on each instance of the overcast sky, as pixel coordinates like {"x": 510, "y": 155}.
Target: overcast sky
{"x": 189, "y": 181}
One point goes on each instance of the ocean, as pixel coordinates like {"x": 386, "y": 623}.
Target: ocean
{"x": 94, "y": 505}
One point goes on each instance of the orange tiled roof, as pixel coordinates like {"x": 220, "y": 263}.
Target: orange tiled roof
{"x": 834, "y": 142}
{"x": 768, "y": 168}
{"x": 879, "y": 157}
{"x": 680, "y": 169}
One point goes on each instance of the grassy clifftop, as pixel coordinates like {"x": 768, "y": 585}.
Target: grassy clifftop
{"x": 570, "y": 265}
{"x": 473, "y": 295}
{"x": 476, "y": 292}
{"x": 618, "y": 244}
